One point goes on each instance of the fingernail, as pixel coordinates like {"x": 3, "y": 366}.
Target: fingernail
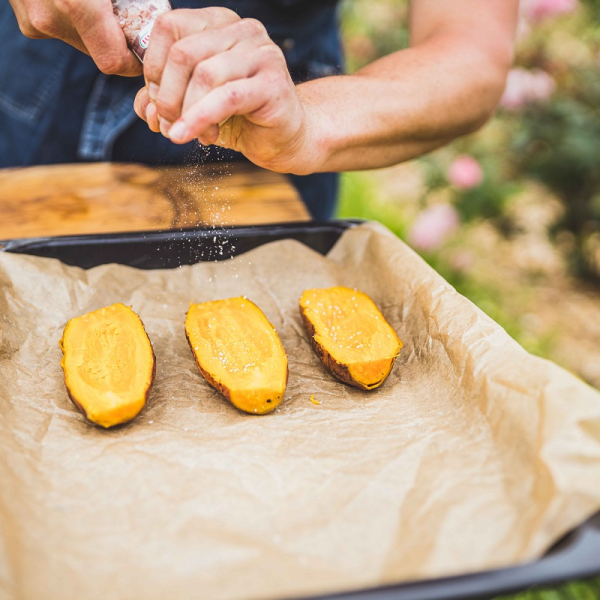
{"x": 212, "y": 133}
{"x": 179, "y": 131}
{"x": 149, "y": 111}
{"x": 164, "y": 127}
{"x": 152, "y": 117}
{"x": 152, "y": 91}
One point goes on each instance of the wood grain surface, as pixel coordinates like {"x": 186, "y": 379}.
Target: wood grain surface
{"x": 108, "y": 197}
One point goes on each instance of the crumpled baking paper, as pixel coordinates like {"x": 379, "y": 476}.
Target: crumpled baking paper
{"x": 472, "y": 455}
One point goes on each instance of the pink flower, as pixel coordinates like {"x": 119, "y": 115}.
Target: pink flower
{"x": 538, "y": 10}
{"x": 465, "y": 172}
{"x": 523, "y": 87}
{"x": 433, "y": 226}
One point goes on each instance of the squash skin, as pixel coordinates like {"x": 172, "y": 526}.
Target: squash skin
{"x": 344, "y": 371}
{"x": 106, "y": 420}
{"x": 252, "y": 404}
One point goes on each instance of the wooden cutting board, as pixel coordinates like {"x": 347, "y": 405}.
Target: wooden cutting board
{"x": 108, "y": 197}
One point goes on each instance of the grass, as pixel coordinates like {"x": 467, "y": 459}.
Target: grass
{"x": 589, "y": 590}
{"x": 359, "y": 199}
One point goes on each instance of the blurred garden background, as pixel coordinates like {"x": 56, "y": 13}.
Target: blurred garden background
{"x": 510, "y": 215}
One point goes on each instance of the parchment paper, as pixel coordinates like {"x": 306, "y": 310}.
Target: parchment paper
{"x": 472, "y": 455}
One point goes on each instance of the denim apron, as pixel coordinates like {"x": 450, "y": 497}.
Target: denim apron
{"x": 56, "y": 107}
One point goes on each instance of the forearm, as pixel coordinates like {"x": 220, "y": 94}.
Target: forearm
{"x": 401, "y": 106}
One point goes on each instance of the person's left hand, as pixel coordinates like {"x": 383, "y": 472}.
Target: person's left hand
{"x": 213, "y": 76}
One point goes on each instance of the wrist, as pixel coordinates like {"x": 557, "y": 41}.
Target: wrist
{"x": 303, "y": 152}
{"x": 297, "y": 152}
{"x": 314, "y": 150}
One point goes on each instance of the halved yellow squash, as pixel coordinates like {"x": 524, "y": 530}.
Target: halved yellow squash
{"x": 350, "y": 335}
{"x": 238, "y": 352}
{"x": 109, "y": 364}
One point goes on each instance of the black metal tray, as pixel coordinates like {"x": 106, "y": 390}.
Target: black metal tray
{"x": 575, "y": 556}
{"x": 172, "y": 248}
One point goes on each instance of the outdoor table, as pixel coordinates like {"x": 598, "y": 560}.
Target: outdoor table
{"x": 115, "y": 197}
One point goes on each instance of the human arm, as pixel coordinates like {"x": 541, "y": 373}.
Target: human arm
{"x": 407, "y": 103}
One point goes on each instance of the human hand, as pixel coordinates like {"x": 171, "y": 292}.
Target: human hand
{"x": 213, "y": 76}
{"x": 89, "y": 26}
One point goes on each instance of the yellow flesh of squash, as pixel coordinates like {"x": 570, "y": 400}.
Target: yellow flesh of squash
{"x": 349, "y": 328}
{"x": 108, "y": 364}
{"x": 238, "y": 352}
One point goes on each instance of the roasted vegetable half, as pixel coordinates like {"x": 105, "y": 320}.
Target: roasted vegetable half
{"x": 350, "y": 335}
{"x": 109, "y": 364}
{"x": 238, "y": 352}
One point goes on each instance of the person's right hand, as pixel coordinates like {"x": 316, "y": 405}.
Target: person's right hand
{"x": 88, "y": 25}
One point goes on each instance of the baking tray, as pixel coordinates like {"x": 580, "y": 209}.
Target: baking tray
{"x": 175, "y": 247}
{"x": 575, "y": 556}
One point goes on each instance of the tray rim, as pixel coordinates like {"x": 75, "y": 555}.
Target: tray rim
{"x": 12, "y": 244}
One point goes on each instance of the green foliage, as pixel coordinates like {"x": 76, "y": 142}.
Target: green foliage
{"x": 359, "y": 199}
{"x": 559, "y": 144}
{"x": 556, "y": 142}
{"x": 372, "y": 29}
{"x": 594, "y": 7}
{"x": 486, "y": 201}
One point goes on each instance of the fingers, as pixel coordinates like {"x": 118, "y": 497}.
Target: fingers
{"x": 181, "y": 62}
{"x": 203, "y": 67}
{"x": 141, "y": 102}
{"x": 174, "y": 26}
{"x": 205, "y": 60}
{"x": 214, "y": 72}
{"x": 89, "y": 26}
{"x": 146, "y": 110}
{"x": 152, "y": 118}
{"x": 240, "y": 97}
{"x": 39, "y": 21}
{"x": 238, "y": 63}
{"x": 101, "y": 35}
{"x": 25, "y": 22}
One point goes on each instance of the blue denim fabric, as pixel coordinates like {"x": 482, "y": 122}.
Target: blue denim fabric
{"x": 56, "y": 107}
